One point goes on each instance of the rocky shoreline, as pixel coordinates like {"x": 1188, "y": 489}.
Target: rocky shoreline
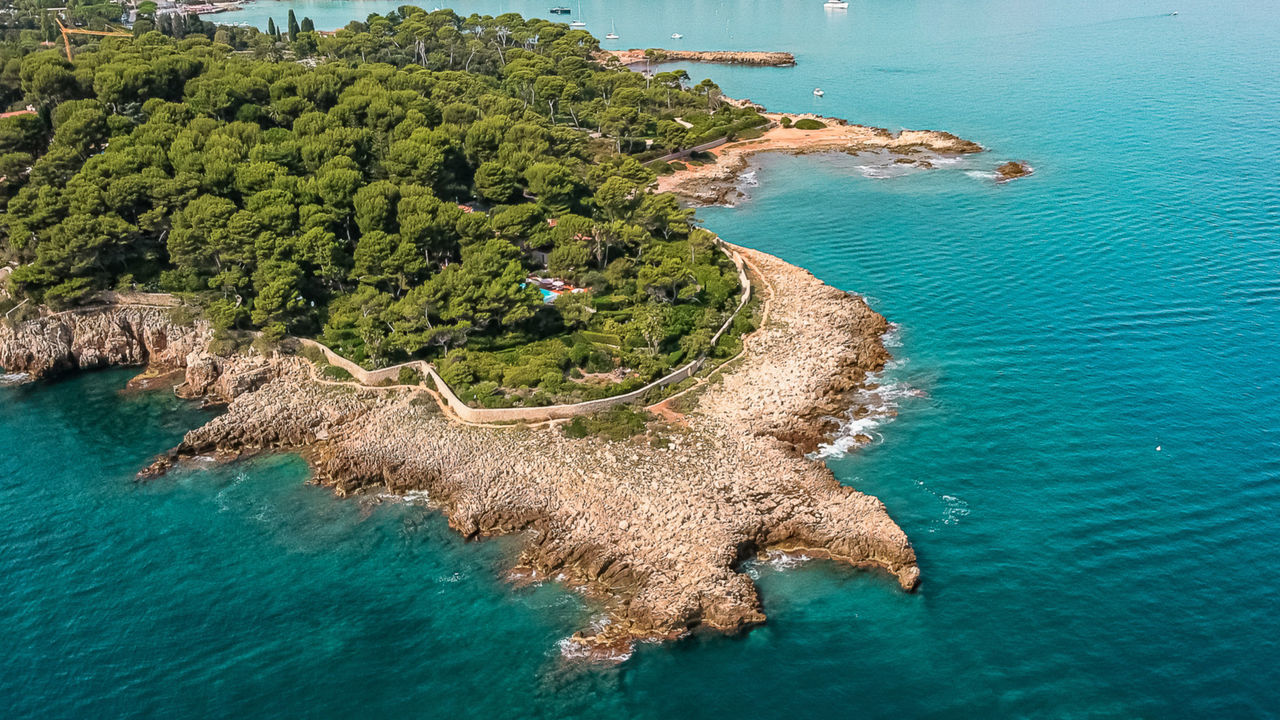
{"x": 653, "y": 528}
{"x": 717, "y": 183}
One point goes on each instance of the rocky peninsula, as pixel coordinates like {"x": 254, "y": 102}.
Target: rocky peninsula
{"x": 717, "y": 57}
{"x": 654, "y": 528}
{"x": 716, "y": 183}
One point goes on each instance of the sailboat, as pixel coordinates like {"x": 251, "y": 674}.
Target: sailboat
{"x": 578, "y": 23}
{"x": 613, "y": 32}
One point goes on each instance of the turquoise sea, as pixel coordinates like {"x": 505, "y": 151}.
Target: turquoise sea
{"x": 1092, "y": 481}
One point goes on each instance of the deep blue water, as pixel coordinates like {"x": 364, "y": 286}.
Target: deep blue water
{"x": 1125, "y": 297}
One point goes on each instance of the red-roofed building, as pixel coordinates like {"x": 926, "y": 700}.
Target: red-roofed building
{"x": 29, "y": 111}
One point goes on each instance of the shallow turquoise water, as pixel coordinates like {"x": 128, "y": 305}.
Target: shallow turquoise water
{"x": 1125, "y": 297}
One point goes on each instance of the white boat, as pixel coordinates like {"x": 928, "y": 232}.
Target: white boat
{"x": 818, "y": 92}
{"x": 578, "y": 23}
{"x": 836, "y": 5}
{"x": 676, "y": 36}
{"x": 613, "y": 32}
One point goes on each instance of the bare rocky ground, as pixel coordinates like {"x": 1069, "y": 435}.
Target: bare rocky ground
{"x": 654, "y": 534}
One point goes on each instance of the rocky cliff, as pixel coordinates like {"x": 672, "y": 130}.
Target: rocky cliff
{"x": 99, "y": 337}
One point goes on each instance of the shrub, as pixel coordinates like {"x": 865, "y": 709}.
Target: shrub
{"x": 225, "y": 314}
{"x": 183, "y": 315}
{"x": 408, "y": 376}
{"x": 226, "y": 343}
{"x": 333, "y": 372}
{"x": 600, "y": 338}
{"x": 269, "y": 339}
{"x": 785, "y": 121}
{"x": 618, "y": 423}
{"x": 810, "y": 124}
{"x": 313, "y": 354}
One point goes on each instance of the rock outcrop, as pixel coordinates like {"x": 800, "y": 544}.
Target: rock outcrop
{"x": 1012, "y": 170}
{"x": 655, "y": 531}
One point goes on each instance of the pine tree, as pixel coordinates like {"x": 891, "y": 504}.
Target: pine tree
{"x": 46, "y": 28}
{"x": 307, "y": 25}
{"x": 293, "y": 26}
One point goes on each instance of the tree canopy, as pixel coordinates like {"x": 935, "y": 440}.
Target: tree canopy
{"x": 398, "y": 189}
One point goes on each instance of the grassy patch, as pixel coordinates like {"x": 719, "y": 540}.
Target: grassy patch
{"x": 618, "y": 423}
{"x": 333, "y": 372}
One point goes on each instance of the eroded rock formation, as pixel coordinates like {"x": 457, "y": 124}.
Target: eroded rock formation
{"x": 94, "y": 338}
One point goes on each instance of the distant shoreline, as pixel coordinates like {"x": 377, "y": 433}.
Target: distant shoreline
{"x": 758, "y": 58}
{"x": 715, "y": 183}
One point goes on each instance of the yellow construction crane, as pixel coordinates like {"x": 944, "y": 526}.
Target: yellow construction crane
{"x": 66, "y": 31}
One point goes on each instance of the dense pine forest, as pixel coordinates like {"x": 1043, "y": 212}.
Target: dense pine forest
{"x": 417, "y": 185}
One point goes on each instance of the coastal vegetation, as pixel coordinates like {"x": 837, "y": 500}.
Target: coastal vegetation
{"x": 469, "y": 190}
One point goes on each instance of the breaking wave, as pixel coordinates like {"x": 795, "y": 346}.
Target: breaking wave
{"x": 571, "y": 649}
{"x": 413, "y": 497}
{"x": 873, "y": 408}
